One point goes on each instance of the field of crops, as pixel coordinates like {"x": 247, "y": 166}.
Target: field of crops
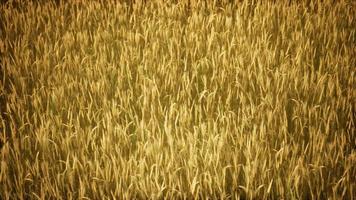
{"x": 174, "y": 100}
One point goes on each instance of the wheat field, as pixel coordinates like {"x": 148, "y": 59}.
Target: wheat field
{"x": 178, "y": 99}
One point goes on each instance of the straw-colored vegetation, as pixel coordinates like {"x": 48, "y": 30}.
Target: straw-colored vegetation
{"x": 170, "y": 100}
